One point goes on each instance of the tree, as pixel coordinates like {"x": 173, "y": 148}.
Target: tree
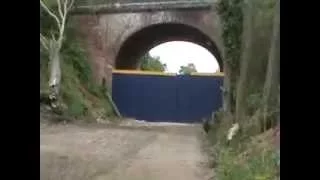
{"x": 149, "y": 63}
{"x": 190, "y": 68}
{"x": 272, "y": 82}
{"x": 231, "y": 15}
{"x": 243, "y": 81}
{"x": 52, "y": 43}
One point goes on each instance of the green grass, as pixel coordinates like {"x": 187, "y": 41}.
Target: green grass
{"x": 249, "y": 156}
{"x": 257, "y": 166}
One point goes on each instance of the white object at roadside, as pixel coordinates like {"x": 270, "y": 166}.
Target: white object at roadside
{"x": 232, "y": 131}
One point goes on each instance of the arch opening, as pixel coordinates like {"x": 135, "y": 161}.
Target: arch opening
{"x": 144, "y": 40}
{"x": 180, "y": 57}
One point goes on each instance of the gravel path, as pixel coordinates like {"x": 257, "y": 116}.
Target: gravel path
{"x": 133, "y": 152}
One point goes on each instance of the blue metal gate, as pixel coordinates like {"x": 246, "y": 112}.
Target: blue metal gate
{"x": 163, "y": 97}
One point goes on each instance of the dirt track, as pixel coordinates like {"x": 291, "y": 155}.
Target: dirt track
{"x": 121, "y": 153}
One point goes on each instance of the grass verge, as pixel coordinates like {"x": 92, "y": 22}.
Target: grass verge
{"x": 246, "y": 157}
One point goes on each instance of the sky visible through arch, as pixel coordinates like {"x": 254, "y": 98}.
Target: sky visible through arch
{"x": 179, "y": 53}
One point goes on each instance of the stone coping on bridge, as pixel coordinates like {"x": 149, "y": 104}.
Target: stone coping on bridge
{"x": 141, "y": 6}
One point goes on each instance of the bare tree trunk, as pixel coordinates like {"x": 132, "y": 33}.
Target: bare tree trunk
{"x": 55, "y": 72}
{"x": 245, "y": 61}
{"x": 54, "y": 44}
{"x": 270, "y": 94}
{"x": 227, "y": 89}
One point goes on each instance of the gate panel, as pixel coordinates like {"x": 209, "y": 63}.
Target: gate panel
{"x": 158, "y": 98}
{"x": 166, "y": 98}
{"x": 198, "y": 97}
{"x": 125, "y": 96}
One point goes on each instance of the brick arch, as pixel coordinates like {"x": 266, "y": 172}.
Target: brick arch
{"x": 141, "y": 41}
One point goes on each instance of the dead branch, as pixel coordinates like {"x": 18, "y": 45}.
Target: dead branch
{"x": 60, "y": 9}
{"x": 45, "y": 7}
{"x": 64, "y": 7}
{"x": 44, "y": 41}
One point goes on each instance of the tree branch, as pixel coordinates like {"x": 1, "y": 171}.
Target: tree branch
{"x": 62, "y": 27}
{"x": 50, "y": 12}
{"x": 53, "y": 37}
{"x": 44, "y": 41}
{"x": 60, "y": 9}
{"x": 70, "y": 4}
{"x": 65, "y": 3}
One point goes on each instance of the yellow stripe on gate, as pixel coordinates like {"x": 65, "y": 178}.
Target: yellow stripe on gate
{"x": 208, "y": 74}
{"x": 137, "y": 72}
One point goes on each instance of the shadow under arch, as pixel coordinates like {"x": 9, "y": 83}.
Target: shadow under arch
{"x": 140, "y": 42}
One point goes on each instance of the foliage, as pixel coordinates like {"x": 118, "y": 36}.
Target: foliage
{"x": 254, "y": 102}
{"x": 76, "y": 57}
{"x": 242, "y": 158}
{"x": 79, "y": 93}
{"x": 149, "y": 63}
{"x": 260, "y": 166}
{"x": 188, "y": 69}
{"x": 249, "y": 156}
{"x": 231, "y": 14}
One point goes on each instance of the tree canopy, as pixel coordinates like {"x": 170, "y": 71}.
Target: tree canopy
{"x": 149, "y": 63}
{"x": 188, "y": 69}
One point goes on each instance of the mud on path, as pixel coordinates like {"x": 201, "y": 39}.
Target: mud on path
{"x": 129, "y": 152}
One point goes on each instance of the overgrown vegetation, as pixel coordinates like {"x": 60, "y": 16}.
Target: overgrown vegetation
{"x": 258, "y": 164}
{"x": 78, "y": 92}
{"x": 251, "y": 33}
{"x": 250, "y": 155}
{"x": 79, "y": 95}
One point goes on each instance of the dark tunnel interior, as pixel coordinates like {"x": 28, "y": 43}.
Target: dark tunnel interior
{"x": 142, "y": 41}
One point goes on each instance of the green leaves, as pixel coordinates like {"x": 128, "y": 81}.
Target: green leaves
{"x": 75, "y": 55}
{"x": 149, "y": 63}
{"x": 188, "y": 69}
{"x": 232, "y": 17}
{"x": 253, "y": 166}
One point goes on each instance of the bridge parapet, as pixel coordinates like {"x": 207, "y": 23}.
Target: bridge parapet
{"x": 119, "y": 6}
{"x": 99, "y": 2}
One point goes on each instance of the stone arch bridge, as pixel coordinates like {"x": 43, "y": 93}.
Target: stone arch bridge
{"x": 117, "y": 33}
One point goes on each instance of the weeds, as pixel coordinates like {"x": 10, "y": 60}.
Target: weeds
{"x": 257, "y": 166}
{"x": 249, "y": 156}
